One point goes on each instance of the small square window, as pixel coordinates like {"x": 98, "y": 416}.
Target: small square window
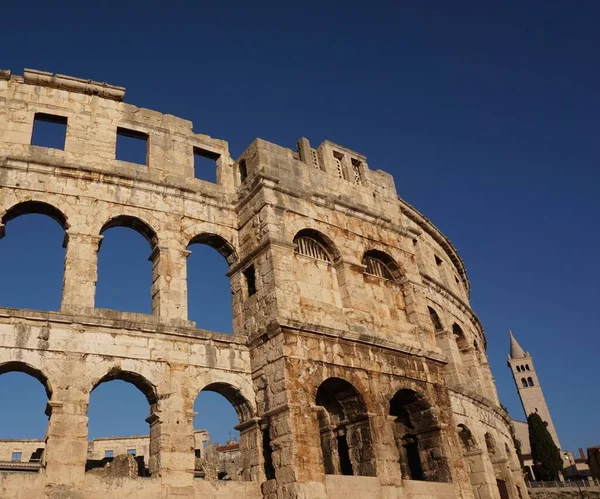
{"x": 205, "y": 164}
{"x": 16, "y": 456}
{"x": 131, "y": 452}
{"x": 132, "y": 146}
{"x": 108, "y": 453}
{"x": 49, "y": 131}
{"x": 250, "y": 276}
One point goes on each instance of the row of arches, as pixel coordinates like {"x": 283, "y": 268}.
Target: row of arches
{"x": 523, "y": 368}
{"x": 130, "y": 393}
{"x": 527, "y": 382}
{"x": 346, "y": 434}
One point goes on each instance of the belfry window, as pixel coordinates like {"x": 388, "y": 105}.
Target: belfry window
{"x": 524, "y": 382}
{"x": 310, "y": 247}
{"x": 530, "y": 381}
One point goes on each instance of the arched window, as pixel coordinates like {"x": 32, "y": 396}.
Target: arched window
{"x": 24, "y": 392}
{"x": 314, "y": 245}
{"x": 345, "y": 431}
{"x": 460, "y": 337}
{"x": 524, "y": 382}
{"x": 490, "y": 443}
{"x": 209, "y": 290}
{"x": 466, "y": 438}
{"x": 519, "y": 369}
{"x": 418, "y": 438}
{"x": 527, "y": 367}
{"x": 35, "y": 247}
{"x": 435, "y": 320}
{"x": 127, "y": 275}
{"x": 381, "y": 265}
{"x": 135, "y": 399}
{"x": 221, "y": 451}
{"x": 530, "y": 381}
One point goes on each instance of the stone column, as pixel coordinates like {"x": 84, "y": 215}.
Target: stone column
{"x": 386, "y": 451}
{"x": 66, "y": 439}
{"x": 81, "y": 271}
{"x": 169, "y": 282}
{"x": 172, "y": 437}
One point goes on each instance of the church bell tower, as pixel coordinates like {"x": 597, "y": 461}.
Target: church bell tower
{"x": 528, "y": 385}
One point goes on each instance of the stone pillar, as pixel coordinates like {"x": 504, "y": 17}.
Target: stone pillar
{"x": 446, "y": 341}
{"x": 481, "y": 475}
{"x": 250, "y": 448}
{"x": 169, "y": 282}
{"x": 66, "y": 439}
{"x": 81, "y": 272}
{"x": 386, "y": 450}
{"x": 172, "y": 437}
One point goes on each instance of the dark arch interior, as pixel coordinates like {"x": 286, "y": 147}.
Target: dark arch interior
{"x": 418, "y": 438}
{"x": 461, "y": 339}
{"x": 435, "y": 320}
{"x": 466, "y": 437}
{"x": 346, "y": 441}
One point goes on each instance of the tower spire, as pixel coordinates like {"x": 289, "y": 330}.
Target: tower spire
{"x": 516, "y": 352}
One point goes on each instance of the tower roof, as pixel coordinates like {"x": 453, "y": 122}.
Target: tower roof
{"x": 516, "y": 352}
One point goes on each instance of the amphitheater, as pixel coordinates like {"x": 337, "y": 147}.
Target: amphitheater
{"x": 356, "y": 365}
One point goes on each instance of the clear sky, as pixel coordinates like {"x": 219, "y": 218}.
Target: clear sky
{"x": 486, "y": 115}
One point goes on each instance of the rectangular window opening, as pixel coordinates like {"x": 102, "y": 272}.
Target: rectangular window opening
{"x": 131, "y": 451}
{"x": 132, "y": 146}
{"x": 205, "y": 165}
{"x": 108, "y": 453}
{"x": 243, "y": 171}
{"x": 356, "y": 165}
{"x": 49, "y": 131}
{"x": 16, "y": 456}
{"x": 250, "y": 276}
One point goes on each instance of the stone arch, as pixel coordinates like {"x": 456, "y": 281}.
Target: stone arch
{"x": 381, "y": 264}
{"x": 246, "y": 466}
{"x": 530, "y": 381}
{"x": 322, "y": 240}
{"x": 134, "y": 223}
{"x": 467, "y": 439}
{"x": 219, "y": 243}
{"x": 461, "y": 339}
{"x": 22, "y": 367}
{"x": 435, "y": 320}
{"x": 30, "y": 208}
{"x": 346, "y": 441}
{"x": 418, "y": 437}
{"x": 523, "y": 382}
{"x": 150, "y": 392}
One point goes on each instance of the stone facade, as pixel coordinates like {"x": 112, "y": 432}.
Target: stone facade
{"x": 356, "y": 365}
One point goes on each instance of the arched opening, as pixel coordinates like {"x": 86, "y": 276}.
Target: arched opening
{"x": 346, "y": 441}
{"x": 24, "y": 414}
{"x": 490, "y": 444}
{"x": 435, "y": 320}
{"x": 418, "y": 438}
{"x": 127, "y": 272}
{"x": 461, "y": 339}
{"x": 466, "y": 438}
{"x": 380, "y": 264}
{"x": 524, "y": 382}
{"x": 123, "y": 425}
{"x": 34, "y": 255}
{"x": 518, "y": 369}
{"x": 313, "y": 244}
{"x": 527, "y": 367}
{"x": 225, "y": 437}
{"x": 209, "y": 290}
{"x": 530, "y": 381}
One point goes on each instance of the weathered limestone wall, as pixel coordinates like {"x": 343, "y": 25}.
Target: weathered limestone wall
{"x": 336, "y": 366}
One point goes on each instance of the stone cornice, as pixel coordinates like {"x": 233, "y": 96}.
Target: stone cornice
{"x": 481, "y": 401}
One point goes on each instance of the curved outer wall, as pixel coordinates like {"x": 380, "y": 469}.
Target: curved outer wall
{"x": 308, "y": 322}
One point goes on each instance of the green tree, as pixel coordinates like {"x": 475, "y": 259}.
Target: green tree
{"x": 546, "y": 456}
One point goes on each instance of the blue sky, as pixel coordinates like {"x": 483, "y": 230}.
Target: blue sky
{"x": 486, "y": 115}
